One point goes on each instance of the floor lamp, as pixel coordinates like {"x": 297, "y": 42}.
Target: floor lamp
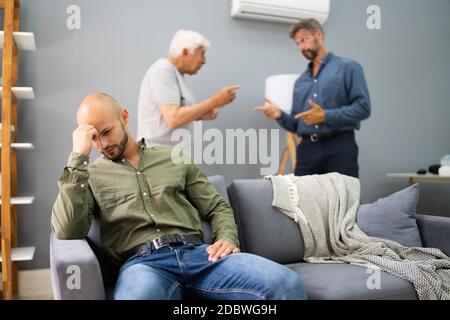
{"x": 289, "y": 151}
{"x": 280, "y": 89}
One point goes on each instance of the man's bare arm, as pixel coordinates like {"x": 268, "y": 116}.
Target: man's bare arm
{"x": 177, "y": 116}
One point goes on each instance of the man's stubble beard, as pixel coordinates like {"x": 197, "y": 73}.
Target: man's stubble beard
{"x": 121, "y": 146}
{"x": 313, "y": 52}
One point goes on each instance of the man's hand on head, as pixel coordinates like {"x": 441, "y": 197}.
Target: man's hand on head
{"x": 220, "y": 249}
{"x": 82, "y": 139}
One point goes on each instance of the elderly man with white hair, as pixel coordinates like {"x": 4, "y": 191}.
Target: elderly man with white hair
{"x": 165, "y": 101}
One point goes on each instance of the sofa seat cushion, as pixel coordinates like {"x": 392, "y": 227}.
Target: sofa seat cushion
{"x": 349, "y": 282}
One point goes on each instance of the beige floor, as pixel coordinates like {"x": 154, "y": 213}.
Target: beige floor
{"x": 35, "y": 285}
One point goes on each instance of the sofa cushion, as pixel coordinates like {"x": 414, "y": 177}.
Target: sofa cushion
{"x": 263, "y": 230}
{"x": 349, "y": 282}
{"x": 393, "y": 217}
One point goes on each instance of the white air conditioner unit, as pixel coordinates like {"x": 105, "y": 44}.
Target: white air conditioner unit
{"x": 286, "y": 11}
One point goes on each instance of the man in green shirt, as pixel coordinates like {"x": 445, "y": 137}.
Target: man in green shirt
{"x": 150, "y": 209}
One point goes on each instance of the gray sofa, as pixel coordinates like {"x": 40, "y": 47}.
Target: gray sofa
{"x": 263, "y": 231}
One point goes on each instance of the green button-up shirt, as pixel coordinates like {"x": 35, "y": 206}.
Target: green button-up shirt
{"x": 138, "y": 205}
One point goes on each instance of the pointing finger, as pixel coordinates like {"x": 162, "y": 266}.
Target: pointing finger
{"x": 261, "y": 108}
{"x": 301, "y": 115}
{"x": 313, "y": 104}
{"x": 269, "y": 101}
{"x": 233, "y": 87}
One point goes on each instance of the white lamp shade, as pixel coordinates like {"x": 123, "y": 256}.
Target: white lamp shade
{"x": 280, "y": 89}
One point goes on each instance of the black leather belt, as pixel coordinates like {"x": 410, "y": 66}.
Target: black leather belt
{"x": 162, "y": 241}
{"x": 314, "y": 137}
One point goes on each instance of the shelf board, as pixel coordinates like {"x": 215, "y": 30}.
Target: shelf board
{"x": 23, "y": 93}
{"x": 12, "y": 127}
{"x": 20, "y": 200}
{"x": 421, "y": 178}
{"x": 24, "y": 40}
{"x": 21, "y": 146}
{"x": 21, "y": 254}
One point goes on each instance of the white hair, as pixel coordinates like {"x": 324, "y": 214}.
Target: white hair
{"x": 187, "y": 39}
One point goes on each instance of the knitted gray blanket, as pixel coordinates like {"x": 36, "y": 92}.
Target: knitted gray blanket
{"x": 325, "y": 208}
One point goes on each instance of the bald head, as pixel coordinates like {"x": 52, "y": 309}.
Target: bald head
{"x": 98, "y": 106}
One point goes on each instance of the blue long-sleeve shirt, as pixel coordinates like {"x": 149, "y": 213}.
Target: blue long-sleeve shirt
{"x": 340, "y": 88}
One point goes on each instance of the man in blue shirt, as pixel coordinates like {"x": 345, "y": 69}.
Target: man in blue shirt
{"x": 330, "y": 99}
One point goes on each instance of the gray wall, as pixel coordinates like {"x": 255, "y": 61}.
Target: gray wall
{"x": 406, "y": 65}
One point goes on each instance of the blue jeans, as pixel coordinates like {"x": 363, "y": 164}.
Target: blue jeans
{"x": 183, "y": 271}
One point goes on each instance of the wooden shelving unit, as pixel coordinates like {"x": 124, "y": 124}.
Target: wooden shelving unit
{"x": 11, "y": 41}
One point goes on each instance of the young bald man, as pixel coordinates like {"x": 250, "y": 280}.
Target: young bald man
{"x": 150, "y": 211}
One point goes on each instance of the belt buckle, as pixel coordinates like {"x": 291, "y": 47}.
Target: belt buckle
{"x": 165, "y": 240}
{"x": 157, "y": 243}
{"x": 314, "y": 137}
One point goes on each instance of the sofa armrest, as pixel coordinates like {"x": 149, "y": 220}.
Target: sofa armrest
{"x": 75, "y": 270}
{"x": 435, "y": 232}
